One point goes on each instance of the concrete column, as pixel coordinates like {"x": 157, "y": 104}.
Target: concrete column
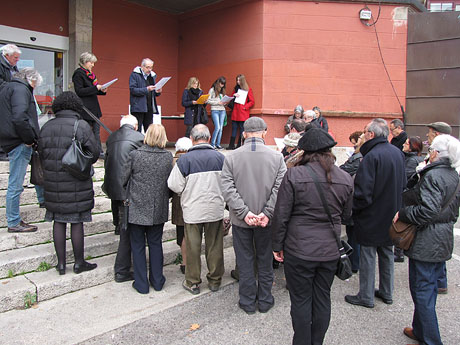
{"x": 80, "y": 32}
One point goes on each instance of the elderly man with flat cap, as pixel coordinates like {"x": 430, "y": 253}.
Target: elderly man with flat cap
{"x": 250, "y": 179}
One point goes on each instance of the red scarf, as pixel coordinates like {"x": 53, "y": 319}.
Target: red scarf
{"x": 90, "y": 75}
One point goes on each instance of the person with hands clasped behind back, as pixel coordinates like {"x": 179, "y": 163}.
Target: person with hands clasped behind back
{"x": 240, "y": 111}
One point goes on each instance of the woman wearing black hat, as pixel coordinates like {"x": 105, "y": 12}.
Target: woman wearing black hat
{"x": 302, "y": 235}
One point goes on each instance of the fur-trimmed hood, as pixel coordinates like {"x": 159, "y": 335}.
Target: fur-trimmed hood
{"x": 138, "y": 69}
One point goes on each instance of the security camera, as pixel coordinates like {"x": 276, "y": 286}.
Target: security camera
{"x": 33, "y": 39}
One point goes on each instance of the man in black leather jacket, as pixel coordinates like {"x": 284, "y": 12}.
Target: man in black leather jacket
{"x": 119, "y": 145}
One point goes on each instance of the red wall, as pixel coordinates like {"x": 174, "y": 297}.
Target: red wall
{"x": 124, "y": 34}
{"x": 223, "y": 39}
{"x": 39, "y": 15}
{"x": 320, "y": 54}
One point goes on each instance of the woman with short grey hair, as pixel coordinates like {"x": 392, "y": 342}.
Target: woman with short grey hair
{"x": 30, "y": 75}
{"x": 87, "y": 87}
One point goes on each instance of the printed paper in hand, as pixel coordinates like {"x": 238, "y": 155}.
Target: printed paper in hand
{"x": 161, "y": 83}
{"x": 106, "y": 85}
{"x": 241, "y": 99}
{"x": 226, "y": 99}
{"x": 279, "y": 143}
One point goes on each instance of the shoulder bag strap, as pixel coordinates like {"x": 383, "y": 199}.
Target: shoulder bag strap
{"x": 452, "y": 197}
{"x": 325, "y": 205}
{"x": 94, "y": 117}
{"x": 75, "y": 126}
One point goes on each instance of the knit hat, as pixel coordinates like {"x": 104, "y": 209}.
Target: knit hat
{"x": 292, "y": 139}
{"x": 440, "y": 127}
{"x": 316, "y": 139}
{"x": 254, "y": 124}
{"x": 447, "y": 146}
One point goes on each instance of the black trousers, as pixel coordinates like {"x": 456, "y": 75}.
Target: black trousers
{"x": 123, "y": 258}
{"x": 143, "y": 119}
{"x": 310, "y": 292}
{"x": 96, "y": 127}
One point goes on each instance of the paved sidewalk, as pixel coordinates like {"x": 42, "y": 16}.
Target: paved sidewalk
{"x": 115, "y": 314}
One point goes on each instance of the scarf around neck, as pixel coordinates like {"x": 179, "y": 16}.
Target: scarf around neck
{"x": 90, "y": 75}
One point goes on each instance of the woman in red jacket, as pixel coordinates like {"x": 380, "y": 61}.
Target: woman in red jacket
{"x": 240, "y": 112}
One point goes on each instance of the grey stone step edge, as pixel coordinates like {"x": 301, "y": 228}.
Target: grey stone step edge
{"x": 42, "y": 286}
{"x": 28, "y": 259}
{"x": 4, "y": 166}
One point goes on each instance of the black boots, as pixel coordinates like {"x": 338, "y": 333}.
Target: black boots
{"x": 231, "y": 146}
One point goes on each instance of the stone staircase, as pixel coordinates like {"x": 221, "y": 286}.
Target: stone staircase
{"x": 27, "y": 260}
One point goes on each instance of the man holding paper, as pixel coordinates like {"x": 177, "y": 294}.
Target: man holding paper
{"x": 143, "y": 93}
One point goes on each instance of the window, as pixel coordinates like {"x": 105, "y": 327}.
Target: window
{"x": 441, "y": 6}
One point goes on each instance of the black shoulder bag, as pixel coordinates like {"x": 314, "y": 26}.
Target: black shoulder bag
{"x": 344, "y": 265}
{"x": 77, "y": 161}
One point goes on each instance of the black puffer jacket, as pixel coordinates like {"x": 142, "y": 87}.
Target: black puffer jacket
{"x": 352, "y": 164}
{"x": 300, "y": 225}
{"x": 18, "y": 115}
{"x": 412, "y": 160}
{"x": 63, "y": 192}
{"x": 119, "y": 146}
{"x": 434, "y": 239}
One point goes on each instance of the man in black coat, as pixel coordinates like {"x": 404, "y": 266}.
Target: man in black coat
{"x": 398, "y": 133}
{"x": 119, "y": 145}
{"x": 18, "y": 132}
{"x": 379, "y": 183}
{"x": 8, "y": 61}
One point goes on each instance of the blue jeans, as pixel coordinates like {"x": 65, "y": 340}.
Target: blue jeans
{"x": 218, "y": 117}
{"x": 40, "y": 194}
{"x": 442, "y": 279}
{"x": 19, "y": 159}
{"x": 423, "y": 278}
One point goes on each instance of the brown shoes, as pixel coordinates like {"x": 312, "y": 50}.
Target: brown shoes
{"x": 409, "y": 332}
{"x": 23, "y": 227}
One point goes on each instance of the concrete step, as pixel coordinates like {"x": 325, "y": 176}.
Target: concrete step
{"x": 4, "y": 166}
{"x": 34, "y": 214}
{"x": 28, "y": 259}
{"x": 102, "y": 223}
{"x": 29, "y": 196}
{"x": 48, "y": 285}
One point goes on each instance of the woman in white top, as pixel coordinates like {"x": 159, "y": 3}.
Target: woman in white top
{"x": 216, "y": 93}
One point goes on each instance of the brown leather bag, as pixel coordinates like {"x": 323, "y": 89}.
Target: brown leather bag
{"x": 402, "y": 234}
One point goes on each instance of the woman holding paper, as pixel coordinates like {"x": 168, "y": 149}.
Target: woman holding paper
{"x": 88, "y": 88}
{"x": 244, "y": 101}
{"x": 193, "y": 110}
{"x": 216, "y": 93}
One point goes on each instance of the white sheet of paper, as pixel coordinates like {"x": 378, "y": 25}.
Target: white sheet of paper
{"x": 162, "y": 82}
{"x": 226, "y": 99}
{"x": 279, "y": 143}
{"x": 241, "y": 99}
{"x": 106, "y": 85}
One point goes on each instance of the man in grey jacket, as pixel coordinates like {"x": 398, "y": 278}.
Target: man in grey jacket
{"x": 250, "y": 180}
{"x": 196, "y": 177}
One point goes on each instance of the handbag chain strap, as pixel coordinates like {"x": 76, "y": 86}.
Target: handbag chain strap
{"x": 75, "y": 126}
{"x": 95, "y": 118}
{"x": 314, "y": 176}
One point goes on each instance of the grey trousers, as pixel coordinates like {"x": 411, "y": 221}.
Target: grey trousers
{"x": 367, "y": 272}
{"x": 254, "y": 244}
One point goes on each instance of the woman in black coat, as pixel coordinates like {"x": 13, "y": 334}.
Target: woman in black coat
{"x": 67, "y": 199}
{"x": 303, "y": 236}
{"x": 434, "y": 240}
{"x": 87, "y": 87}
{"x": 412, "y": 149}
{"x": 194, "y": 112}
{"x": 148, "y": 194}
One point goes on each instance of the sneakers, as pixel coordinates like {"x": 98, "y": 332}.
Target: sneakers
{"x": 23, "y": 227}
{"x": 194, "y": 289}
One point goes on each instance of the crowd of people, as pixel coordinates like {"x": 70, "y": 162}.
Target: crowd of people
{"x": 274, "y": 199}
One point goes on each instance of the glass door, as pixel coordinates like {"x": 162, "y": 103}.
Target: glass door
{"x": 50, "y": 64}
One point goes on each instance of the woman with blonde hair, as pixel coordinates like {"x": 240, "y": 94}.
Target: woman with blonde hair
{"x": 148, "y": 194}
{"x": 194, "y": 112}
{"x": 240, "y": 112}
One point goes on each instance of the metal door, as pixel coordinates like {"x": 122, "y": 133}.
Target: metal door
{"x": 433, "y": 71}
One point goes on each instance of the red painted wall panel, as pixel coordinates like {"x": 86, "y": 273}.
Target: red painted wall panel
{"x": 44, "y": 15}
{"x": 124, "y": 34}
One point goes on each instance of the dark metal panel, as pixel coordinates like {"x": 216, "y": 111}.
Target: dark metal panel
{"x": 433, "y": 55}
{"x": 432, "y": 26}
{"x": 176, "y": 6}
{"x": 433, "y": 71}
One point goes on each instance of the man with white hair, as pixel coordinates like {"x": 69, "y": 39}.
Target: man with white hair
{"x": 119, "y": 145}
{"x": 8, "y": 61}
{"x": 143, "y": 93}
{"x": 18, "y": 133}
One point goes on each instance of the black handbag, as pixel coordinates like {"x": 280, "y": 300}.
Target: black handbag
{"x": 77, "y": 161}
{"x": 204, "y": 115}
{"x": 36, "y": 169}
{"x": 343, "y": 271}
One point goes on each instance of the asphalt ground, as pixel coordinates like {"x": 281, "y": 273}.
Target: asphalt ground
{"x": 215, "y": 318}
